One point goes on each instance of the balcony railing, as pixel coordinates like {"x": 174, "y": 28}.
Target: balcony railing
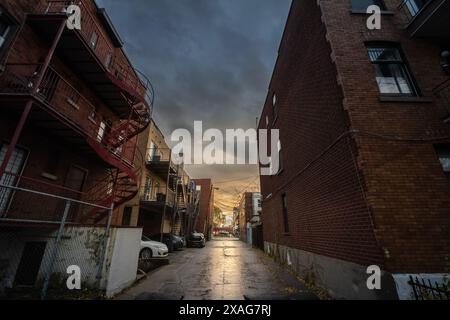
{"x": 157, "y": 155}
{"x": 24, "y": 199}
{"x": 96, "y": 38}
{"x": 158, "y": 195}
{"x": 61, "y": 97}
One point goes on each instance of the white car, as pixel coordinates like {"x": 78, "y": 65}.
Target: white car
{"x": 152, "y": 249}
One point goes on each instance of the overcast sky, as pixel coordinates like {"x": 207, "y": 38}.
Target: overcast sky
{"x": 209, "y": 60}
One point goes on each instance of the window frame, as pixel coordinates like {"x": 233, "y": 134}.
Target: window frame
{"x": 403, "y": 63}
{"x": 380, "y": 3}
{"x": 274, "y": 104}
{"x": 13, "y": 30}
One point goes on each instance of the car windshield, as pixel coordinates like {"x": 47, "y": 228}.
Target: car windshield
{"x": 144, "y": 238}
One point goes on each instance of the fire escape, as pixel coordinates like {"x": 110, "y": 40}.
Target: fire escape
{"x": 429, "y": 20}
{"x": 125, "y": 91}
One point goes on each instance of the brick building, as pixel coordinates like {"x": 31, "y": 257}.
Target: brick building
{"x": 249, "y": 215}
{"x": 72, "y": 108}
{"x": 161, "y": 205}
{"x": 364, "y": 142}
{"x": 204, "y": 220}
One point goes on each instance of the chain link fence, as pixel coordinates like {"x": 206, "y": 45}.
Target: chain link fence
{"x": 45, "y": 253}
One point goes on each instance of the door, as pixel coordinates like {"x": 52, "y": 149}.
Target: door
{"x": 30, "y": 263}
{"x": 75, "y": 180}
{"x": 11, "y": 176}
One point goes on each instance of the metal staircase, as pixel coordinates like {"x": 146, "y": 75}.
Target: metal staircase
{"x": 125, "y": 90}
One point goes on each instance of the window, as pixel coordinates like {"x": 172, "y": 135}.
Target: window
{"x": 8, "y": 28}
{"x": 108, "y": 60}
{"x": 280, "y": 158}
{"x": 285, "y": 213}
{"x": 362, "y": 5}
{"x": 391, "y": 72}
{"x": 92, "y": 115}
{"x": 414, "y": 6}
{"x": 12, "y": 173}
{"x": 73, "y": 97}
{"x": 443, "y": 152}
{"x": 94, "y": 40}
{"x": 274, "y": 107}
{"x": 148, "y": 188}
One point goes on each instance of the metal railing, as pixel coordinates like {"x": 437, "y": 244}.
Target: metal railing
{"x": 72, "y": 106}
{"x": 426, "y": 290}
{"x": 99, "y": 42}
{"x": 53, "y": 236}
{"x": 159, "y": 195}
{"x": 155, "y": 155}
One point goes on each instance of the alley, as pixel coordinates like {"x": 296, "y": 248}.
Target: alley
{"x": 224, "y": 270}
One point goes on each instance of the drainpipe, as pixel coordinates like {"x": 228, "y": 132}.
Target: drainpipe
{"x": 26, "y": 111}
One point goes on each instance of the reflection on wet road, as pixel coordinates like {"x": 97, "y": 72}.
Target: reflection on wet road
{"x": 224, "y": 270}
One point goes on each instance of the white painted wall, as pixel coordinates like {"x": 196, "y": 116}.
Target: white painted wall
{"x": 124, "y": 259}
{"x": 79, "y": 246}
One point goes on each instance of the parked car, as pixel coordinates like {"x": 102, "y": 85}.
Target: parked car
{"x": 152, "y": 249}
{"x": 196, "y": 240}
{"x": 172, "y": 242}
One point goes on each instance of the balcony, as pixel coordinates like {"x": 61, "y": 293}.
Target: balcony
{"x": 68, "y": 114}
{"x": 156, "y": 198}
{"x": 93, "y": 54}
{"x": 26, "y": 201}
{"x": 159, "y": 161}
{"x": 426, "y": 18}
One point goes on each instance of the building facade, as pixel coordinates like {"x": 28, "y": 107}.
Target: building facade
{"x": 249, "y": 217}
{"x": 73, "y": 107}
{"x": 364, "y": 142}
{"x": 204, "y": 220}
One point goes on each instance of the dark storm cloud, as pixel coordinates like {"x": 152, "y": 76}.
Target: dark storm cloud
{"x": 209, "y": 60}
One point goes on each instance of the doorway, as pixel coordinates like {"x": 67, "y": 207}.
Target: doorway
{"x": 30, "y": 263}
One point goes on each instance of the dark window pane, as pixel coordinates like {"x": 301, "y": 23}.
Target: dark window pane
{"x": 364, "y": 4}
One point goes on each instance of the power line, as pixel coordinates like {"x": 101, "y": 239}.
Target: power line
{"x": 236, "y": 180}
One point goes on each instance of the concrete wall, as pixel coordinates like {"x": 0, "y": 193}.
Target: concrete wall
{"x": 124, "y": 259}
{"x": 341, "y": 279}
{"x": 80, "y": 246}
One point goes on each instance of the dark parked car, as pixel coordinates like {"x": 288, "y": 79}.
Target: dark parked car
{"x": 172, "y": 242}
{"x": 196, "y": 240}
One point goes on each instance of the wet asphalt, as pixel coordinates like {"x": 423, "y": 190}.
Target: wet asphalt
{"x": 224, "y": 270}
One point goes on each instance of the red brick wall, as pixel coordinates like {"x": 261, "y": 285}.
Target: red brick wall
{"x": 326, "y": 209}
{"x": 393, "y": 207}
{"x": 205, "y": 221}
{"x": 245, "y": 214}
{"x": 406, "y": 187}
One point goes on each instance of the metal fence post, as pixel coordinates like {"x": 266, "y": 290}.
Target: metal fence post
{"x": 55, "y": 250}
{"x": 104, "y": 245}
